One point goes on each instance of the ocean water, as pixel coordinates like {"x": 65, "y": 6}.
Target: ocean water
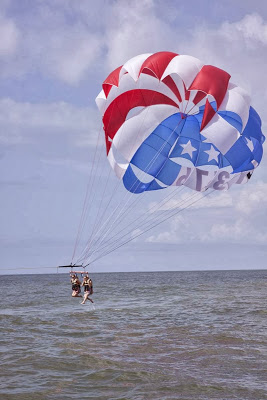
{"x": 160, "y": 336}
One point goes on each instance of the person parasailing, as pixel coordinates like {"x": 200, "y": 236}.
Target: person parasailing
{"x": 88, "y": 288}
{"x": 75, "y": 285}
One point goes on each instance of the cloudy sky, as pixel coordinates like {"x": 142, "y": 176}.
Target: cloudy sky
{"x": 54, "y": 56}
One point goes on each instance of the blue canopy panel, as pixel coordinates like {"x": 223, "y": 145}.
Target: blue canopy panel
{"x": 232, "y": 118}
{"x": 249, "y": 146}
{"x": 149, "y": 160}
{"x": 253, "y": 127}
{"x": 175, "y": 122}
{"x": 224, "y": 162}
{"x": 258, "y": 150}
{"x": 134, "y": 185}
{"x": 179, "y": 136}
{"x": 169, "y": 172}
{"x": 191, "y": 128}
{"x": 239, "y": 155}
{"x": 152, "y": 157}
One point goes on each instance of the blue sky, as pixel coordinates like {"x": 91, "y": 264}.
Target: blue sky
{"x": 54, "y": 56}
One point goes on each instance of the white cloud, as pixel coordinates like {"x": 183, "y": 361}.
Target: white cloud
{"x": 68, "y": 55}
{"x": 73, "y": 68}
{"x": 242, "y": 230}
{"x": 20, "y": 122}
{"x": 66, "y": 39}
{"x": 178, "y": 232}
{"x": 240, "y": 49}
{"x": 251, "y": 29}
{"x": 243, "y": 221}
{"x": 53, "y": 40}
{"x": 135, "y": 234}
{"x": 135, "y": 29}
{"x": 9, "y": 35}
{"x": 252, "y": 199}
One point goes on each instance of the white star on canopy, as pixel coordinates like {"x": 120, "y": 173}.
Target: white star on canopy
{"x": 188, "y": 148}
{"x": 212, "y": 153}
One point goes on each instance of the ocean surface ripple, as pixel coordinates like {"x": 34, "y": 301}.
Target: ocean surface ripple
{"x": 161, "y": 336}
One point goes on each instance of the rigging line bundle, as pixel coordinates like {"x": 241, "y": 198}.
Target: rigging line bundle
{"x": 150, "y": 164}
{"x": 114, "y": 191}
{"x": 153, "y": 218}
{"x": 145, "y": 218}
{"x": 99, "y": 206}
{"x": 148, "y": 229}
{"x": 146, "y": 213}
{"x": 85, "y": 203}
{"x": 94, "y": 192}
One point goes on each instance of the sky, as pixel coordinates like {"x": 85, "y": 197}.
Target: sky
{"x": 54, "y": 56}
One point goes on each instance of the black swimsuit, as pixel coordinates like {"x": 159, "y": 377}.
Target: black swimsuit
{"x": 87, "y": 288}
{"x": 75, "y": 286}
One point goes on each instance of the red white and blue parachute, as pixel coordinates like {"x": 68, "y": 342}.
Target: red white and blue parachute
{"x": 171, "y": 120}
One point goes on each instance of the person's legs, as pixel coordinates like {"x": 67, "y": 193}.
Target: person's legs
{"x": 85, "y": 297}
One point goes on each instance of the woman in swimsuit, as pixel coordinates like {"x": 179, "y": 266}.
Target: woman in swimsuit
{"x": 76, "y": 286}
{"x": 88, "y": 288}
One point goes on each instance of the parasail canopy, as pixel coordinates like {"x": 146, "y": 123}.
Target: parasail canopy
{"x": 170, "y": 120}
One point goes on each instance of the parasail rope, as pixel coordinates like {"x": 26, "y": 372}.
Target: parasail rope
{"x": 135, "y": 201}
{"x": 96, "y": 223}
{"x": 86, "y": 197}
{"x": 152, "y": 161}
{"x": 147, "y": 215}
{"x": 151, "y": 217}
{"x": 149, "y": 228}
{"x": 98, "y": 216}
{"x": 93, "y": 197}
{"x": 84, "y": 254}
